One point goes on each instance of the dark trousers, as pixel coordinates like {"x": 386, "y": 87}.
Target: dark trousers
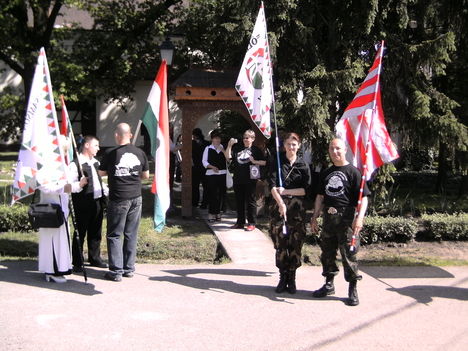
{"x": 88, "y": 214}
{"x": 198, "y": 177}
{"x": 245, "y": 195}
{"x": 288, "y": 247}
{"x": 337, "y": 235}
{"x": 216, "y": 189}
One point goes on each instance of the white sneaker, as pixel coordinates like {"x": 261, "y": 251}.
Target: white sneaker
{"x": 55, "y": 278}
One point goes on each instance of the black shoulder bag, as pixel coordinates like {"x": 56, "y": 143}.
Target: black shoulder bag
{"x": 45, "y": 215}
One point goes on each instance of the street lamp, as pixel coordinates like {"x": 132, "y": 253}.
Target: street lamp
{"x": 167, "y": 50}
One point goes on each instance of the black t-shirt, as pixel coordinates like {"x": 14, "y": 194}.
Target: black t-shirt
{"x": 294, "y": 176}
{"x": 241, "y": 162}
{"x": 124, "y": 165}
{"x": 340, "y": 186}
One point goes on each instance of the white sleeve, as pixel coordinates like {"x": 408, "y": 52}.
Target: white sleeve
{"x": 205, "y": 157}
{"x": 75, "y": 182}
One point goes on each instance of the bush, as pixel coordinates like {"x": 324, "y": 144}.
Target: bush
{"x": 445, "y": 226}
{"x": 388, "y": 229}
{"x": 14, "y": 218}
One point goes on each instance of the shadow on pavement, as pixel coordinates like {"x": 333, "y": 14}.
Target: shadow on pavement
{"x": 426, "y": 293}
{"x": 25, "y": 273}
{"x": 392, "y": 272}
{"x": 182, "y": 277}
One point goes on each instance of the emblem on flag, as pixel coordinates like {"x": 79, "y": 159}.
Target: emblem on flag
{"x": 254, "y": 83}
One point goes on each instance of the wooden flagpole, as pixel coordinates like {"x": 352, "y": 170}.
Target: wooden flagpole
{"x": 352, "y": 247}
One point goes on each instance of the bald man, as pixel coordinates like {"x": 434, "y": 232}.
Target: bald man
{"x": 338, "y": 197}
{"x": 125, "y": 165}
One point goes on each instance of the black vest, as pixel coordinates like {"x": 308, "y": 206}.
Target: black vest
{"x": 87, "y": 193}
{"x": 216, "y": 159}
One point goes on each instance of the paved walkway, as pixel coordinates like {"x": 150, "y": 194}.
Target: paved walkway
{"x": 241, "y": 246}
{"x": 232, "y": 307}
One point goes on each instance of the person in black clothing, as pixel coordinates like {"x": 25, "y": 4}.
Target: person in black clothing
{"x": 246, "y": 161}
{"x": 287, "y": 222}
{"x": 198, "y": 170}
{"x": 338, "y": 194}
{"x": 214, "y": 160}
{"x": 89, "y": 204}
{"x": 126, "y": 165}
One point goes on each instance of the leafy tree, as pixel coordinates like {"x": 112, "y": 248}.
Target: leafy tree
{"x": 105, "y": 61}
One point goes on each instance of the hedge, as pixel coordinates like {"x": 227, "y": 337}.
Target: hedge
{"x": 388, "y": 229}
{"x": 445, "y": 227}
{"x": 14, "y": 218}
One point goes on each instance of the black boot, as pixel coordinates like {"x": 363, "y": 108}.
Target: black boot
{"x": 327, "y": 289}
{"x": 292, "y": 282}
{"x": 283, "y": 282}
{"x": 353, "y": 299}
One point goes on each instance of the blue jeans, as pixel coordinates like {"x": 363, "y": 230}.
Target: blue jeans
{"x": 123, "y": 218}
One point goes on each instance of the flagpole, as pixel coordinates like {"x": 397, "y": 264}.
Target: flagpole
{"x": 364, "y": 170}
{"x": 278, "y": 162}
{"x": 137, "y": 131}
{"x": 70, "y": 200}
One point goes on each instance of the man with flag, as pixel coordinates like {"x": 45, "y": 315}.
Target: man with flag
{"x": 338, "y": 194}
{"x": 125, "y": 165}
{"x": 363, "y": 142}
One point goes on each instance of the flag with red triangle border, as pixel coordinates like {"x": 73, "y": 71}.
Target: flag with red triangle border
{"x": 40, "y": 159}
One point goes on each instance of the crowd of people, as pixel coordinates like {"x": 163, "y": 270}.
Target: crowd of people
{"x": 289, "y": 178}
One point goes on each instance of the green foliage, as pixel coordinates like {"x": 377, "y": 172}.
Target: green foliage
{"x": 388, "y": 229}
{"x": 11, "y": 106}
{"x": 14, "y": 218}
{"x": 445, "y": 227}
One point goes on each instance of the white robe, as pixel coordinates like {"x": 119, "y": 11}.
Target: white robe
{"x": 54, "y": 243}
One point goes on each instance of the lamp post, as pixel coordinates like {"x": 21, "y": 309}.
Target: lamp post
{"x": 167, "y": 50}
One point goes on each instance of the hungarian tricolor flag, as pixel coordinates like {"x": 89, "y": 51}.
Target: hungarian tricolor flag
{"x": 40, "y": 159}
{"x": 255, "y": 83}
{"x": 66, "y": 129}
{"x": 156, "y": 121}
{"x": 362, "y": 125}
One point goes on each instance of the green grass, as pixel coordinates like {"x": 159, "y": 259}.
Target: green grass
{"x": 183, "y": 241}
{"x": 187, "y": 242}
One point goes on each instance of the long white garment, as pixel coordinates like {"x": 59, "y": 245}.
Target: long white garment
{"x": 54, "y": 243}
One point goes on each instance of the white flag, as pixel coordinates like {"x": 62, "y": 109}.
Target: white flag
{"x": 40, "y": 159}
{"x": 254, "y": 83}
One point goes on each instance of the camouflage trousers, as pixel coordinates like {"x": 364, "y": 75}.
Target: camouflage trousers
{"x": 337, "y": 235}
{"x": 288, "y": 247}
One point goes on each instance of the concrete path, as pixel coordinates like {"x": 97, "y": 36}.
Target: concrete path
{"x": 232, "y": 307}
{"x": 241, "y": 246}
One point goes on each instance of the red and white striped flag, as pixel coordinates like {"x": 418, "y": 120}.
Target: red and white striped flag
{"x": 362, "y": 125}
{"x": 156, "y": 121}
{"x": 255, "y": 83}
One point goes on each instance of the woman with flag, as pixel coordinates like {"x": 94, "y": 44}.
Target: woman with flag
{"x": 287, "y": 222}
{"x": 54, "y": 243}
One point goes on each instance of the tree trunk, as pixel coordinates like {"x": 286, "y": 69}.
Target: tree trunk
{"x": 442, "y": 168}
